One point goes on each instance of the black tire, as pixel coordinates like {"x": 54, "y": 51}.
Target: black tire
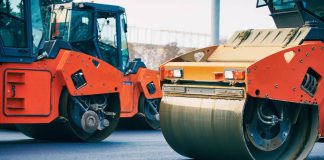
{"x": 10, "y": 127}
{"x": 300, "y": 139}
{"x": 144, "y": 113}
{"x": 65, "y": 129}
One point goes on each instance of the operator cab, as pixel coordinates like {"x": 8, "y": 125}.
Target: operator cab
{"x": 95, "y": 29}
{"x": 295, "y": 13}
{"x": 21, "y": 29}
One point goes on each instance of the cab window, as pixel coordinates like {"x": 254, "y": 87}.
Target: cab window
{"x": 107, "y": 37}
{"x": 315, "y": 7}
{"x": 81, "y": 26}
{"x": 261, "y": 3}
{"x": 12, "y": 23}
{"x": 60, "y": 22}
{"x": 37, "y": 24}
{"x": 283, "y": 5}
{"x": 81, "y": 32}
{"x": 124, "y": 47}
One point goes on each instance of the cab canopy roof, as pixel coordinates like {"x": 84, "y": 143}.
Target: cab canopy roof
{"x": 295, "y": 13}
{"x": 100, "y": 7}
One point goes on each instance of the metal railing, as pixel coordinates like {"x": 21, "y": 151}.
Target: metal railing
{"x": 163, "y": 37}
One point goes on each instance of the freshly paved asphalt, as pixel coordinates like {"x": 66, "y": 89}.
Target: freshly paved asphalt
{"x": 121, "y": 145}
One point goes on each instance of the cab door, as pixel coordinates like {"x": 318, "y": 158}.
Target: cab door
{"x": 107, "y": 37}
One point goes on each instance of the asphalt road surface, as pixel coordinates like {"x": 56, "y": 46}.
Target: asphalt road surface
{"x": 121, "y": 145}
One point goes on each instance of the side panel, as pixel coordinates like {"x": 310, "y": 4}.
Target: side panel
{"x": 133, "y": 86}
{"x": 99, "y": 76}
{"x": 127, "y": 99}
{"x": 27, "y": 93}
{"x": 35, "y": 97}
{"x": 146, "y": 76}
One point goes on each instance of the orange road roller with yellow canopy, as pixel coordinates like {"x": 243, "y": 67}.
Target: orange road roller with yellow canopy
{"x": 259, "y": 96}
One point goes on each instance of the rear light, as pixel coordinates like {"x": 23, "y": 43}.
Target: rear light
{"x": 234, "y": 74}
{"x": 219, "y": 76}
{"x": 239, "y": 75}
{"x": 168, "y": 73}
{"x": 173, "y": 73}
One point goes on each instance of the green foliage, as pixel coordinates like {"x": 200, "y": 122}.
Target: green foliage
{"x": 8, "y": 6}
{"x": 2, "y": 5}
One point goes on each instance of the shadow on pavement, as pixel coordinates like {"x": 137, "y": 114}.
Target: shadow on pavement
{"x": 34, "y": 141}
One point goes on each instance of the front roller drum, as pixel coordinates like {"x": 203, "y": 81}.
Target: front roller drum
{"x": 238, "y": 129}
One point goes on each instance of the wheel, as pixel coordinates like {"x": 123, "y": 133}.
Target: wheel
{"x": 277, "y": 130}
{"x": 88, "y": 118}
{"x": 239, "y": 129}
{"x": 149, "y": 111}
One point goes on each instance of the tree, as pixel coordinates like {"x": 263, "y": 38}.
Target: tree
{"x": 20, "y": 6}
{"x": 8, "y": 6}
{"x": 2, "y": 5}
{"x": 171, "y": 50}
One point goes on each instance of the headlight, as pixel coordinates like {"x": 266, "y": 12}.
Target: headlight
{"x": 228, "y": 75}
{"x": 177, "y": 73}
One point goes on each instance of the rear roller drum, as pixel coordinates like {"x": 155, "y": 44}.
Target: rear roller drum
{"x": 87, "y": 118}
{"x": 239, "y": 129}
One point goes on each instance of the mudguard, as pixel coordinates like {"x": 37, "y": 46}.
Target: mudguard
{"x": 281, "y": 76}
{"x": 145, "y": 77}
{"x": 96, "y": 76}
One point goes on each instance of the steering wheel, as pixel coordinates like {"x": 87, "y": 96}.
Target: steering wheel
{"x": 80, "y": 33}
{"x": 319, "y": 11}
{"x": 109, "y": 53}
{"x": 107, "y": 49}
{"x": 4, "y": 23}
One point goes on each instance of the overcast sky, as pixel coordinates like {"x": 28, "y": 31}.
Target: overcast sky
{"x": 193, "y": 15}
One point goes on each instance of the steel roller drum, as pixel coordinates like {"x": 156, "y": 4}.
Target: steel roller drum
{"x": 213, "y": 129}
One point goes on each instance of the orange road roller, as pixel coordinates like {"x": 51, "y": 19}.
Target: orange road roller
{"x": 65, "y": 70}
{"x": 259, "y": 96}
